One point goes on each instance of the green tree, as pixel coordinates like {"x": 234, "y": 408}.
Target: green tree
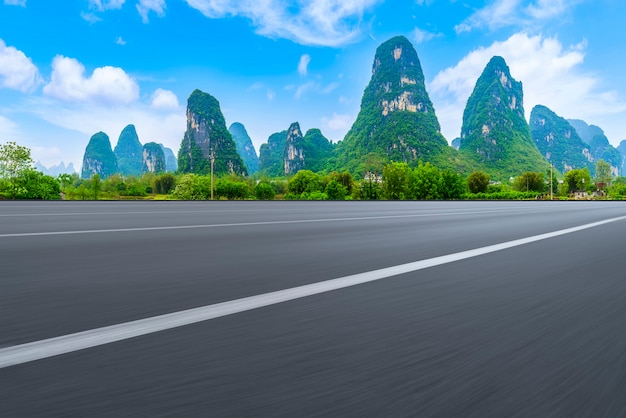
{"x": 452, "y": 185}
{"x": 15, "y": 162}
{"x": 478, "y": 181}
{"x": 264, "y": 191}
{"x": 578, "y": 180}
{"x": 603, "y": 173}
{"x": 96, "y": 185}
{"x": 396, "y": 181}
{"x": 529, "y": 182}
{"x": 335, "y": 190}
{"x": 305, "y": 181}
{"x": 426, "y": 182}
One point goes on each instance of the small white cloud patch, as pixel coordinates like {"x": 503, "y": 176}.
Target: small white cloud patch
{"x": 164, "y": 99}
{"x": 21, "y": 3}
{"x": 144, "y": 7}
{"x": 303, "y": 65}
{"x": 120, "y": 41}
{"x": 107, "y": 85}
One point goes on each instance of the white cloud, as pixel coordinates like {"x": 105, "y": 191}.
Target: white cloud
{"x": 338, "y": 122}
{"x": 501, "y": 13}
{"x": 90, "y": 17}
{"x": 8, "y": 129}
{"x": 316, "y": 22}
{"x": 17, "y": 71}
{"x": 303, "y": 65}
{"x": 107, "y": 85}
{"x": 102, "y": 5}
{"x": 422, "y": 36}
{"x": 120, "y": 41}
{"x": 164, "y": 99}
{"x": 312, "y": 86}
{"x": 144, "y": 7}
{"x": 15, "y": 3}
{"x": 550, "y": 74}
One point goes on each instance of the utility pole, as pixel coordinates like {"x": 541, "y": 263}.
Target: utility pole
{"x": 551, "y": 195}
{"x": 212, "y": 163}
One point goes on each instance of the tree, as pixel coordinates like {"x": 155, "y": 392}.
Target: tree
{"x": 305, "y": 181}
{"x": 15, "y": 162}
{"x": 478, "y": 182}
{"x": 426, "y": 182}
{"x": 603, "y": 173}
{"x": 529, "y": 182}
{"x": 264, "y": 191}
{"x": 96, "y": 185}
{"x": 335, "y": 190}
{"x": 396, "y": 178}
{"x": 578, "y": 180}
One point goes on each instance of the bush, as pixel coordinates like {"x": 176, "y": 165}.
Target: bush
{"x": 478, "y": 181}
{"x": 264, "y": 191}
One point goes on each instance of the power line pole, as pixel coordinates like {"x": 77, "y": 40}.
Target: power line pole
{"x": 551, "y": 192}
{"x": 212, "y": 164}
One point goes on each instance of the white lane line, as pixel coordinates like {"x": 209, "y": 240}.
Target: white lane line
{"x": 297, "y": 221}
{"x": 38, "y": 350}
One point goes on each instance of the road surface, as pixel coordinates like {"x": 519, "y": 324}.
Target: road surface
{"x": 251, "y": 309}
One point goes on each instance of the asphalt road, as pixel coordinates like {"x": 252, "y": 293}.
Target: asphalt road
{"x": 538, "y": 329}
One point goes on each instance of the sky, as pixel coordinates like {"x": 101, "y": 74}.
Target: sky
{"x": 71, "y": 68}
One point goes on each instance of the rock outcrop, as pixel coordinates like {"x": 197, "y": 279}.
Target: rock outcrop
{"x": 272, "y": 155}
{"x": 207, "y": 136}
{"x": 153, "y": 158}
{"x": 558, "y": 141}
{"x": 495, "y": 132}
{"x": 128, "y": 152}
{"x": 244, "y": 146}
{"x": 294, "y": 150}
{"x": 397, "y": 120}
{"x": 171, "y": 163}
{"x": 99, "y": 157}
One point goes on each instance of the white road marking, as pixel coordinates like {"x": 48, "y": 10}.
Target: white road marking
{"x": 38, "y": 350}
{"x": 296, "y": 221}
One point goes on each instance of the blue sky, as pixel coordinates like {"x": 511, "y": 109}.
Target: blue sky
{"x": 69, "y": 69}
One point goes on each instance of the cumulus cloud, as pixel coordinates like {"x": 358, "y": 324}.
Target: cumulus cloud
{"x": 17, "y": 71}
{"x": 550, "y": 74}
{"x": 316, "y": 22}
{"x": 164, "y": 99}
{"x": 303, "y": 65}
{"x": 15, "y": 3}
{"x": 144, "y": 7}
{"x": 338, "y": 122}
{"x": 501, "y": 13}
{"x": 107, "y": 85}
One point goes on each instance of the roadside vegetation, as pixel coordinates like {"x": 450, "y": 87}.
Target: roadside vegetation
{"x": 391, "y": 181}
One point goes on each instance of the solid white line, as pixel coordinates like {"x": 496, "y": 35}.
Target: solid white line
{"x": 38, "y": 350}
{"x": 297, "y": 221}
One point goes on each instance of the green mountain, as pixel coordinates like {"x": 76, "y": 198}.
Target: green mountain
{"x": 99, "y": 157}
{"x": 171, "y": 163}
{"x": 397, "y": 120}
{"x": 207, "y": 135}
{"x": 153, "y": 158}
{"x": 245, "y": 147}
{"x": 495, "y": 133}
{"x": 622, "y": 150}
{"x": 128, "y": 152}
{"x": 586, "y": 132}
{"x": 601, "y": 149}
{"x": 317, "y": 149}
{"x": 558, "y": 141}
{"x": 272, "y": 155}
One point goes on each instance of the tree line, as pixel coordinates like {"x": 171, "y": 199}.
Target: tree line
{"x": 390, "y": 181}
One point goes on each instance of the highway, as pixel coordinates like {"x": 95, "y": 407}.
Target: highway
{"x": 298, "y": 309}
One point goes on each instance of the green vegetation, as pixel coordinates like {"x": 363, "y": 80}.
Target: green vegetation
{"x": 558, "y": 141}
{"x": 18, "y": 178}
{"x": 244, "y": 146}
{"x": 128, "y": 152}
{"x": 207, "y": 135}
{"x": 478, "y": 181}
{"x": 495, "y": 133}
{"x": 99, "y": 157}
{"x": 397, "y": 120}
{"x": 153, "y": 158}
